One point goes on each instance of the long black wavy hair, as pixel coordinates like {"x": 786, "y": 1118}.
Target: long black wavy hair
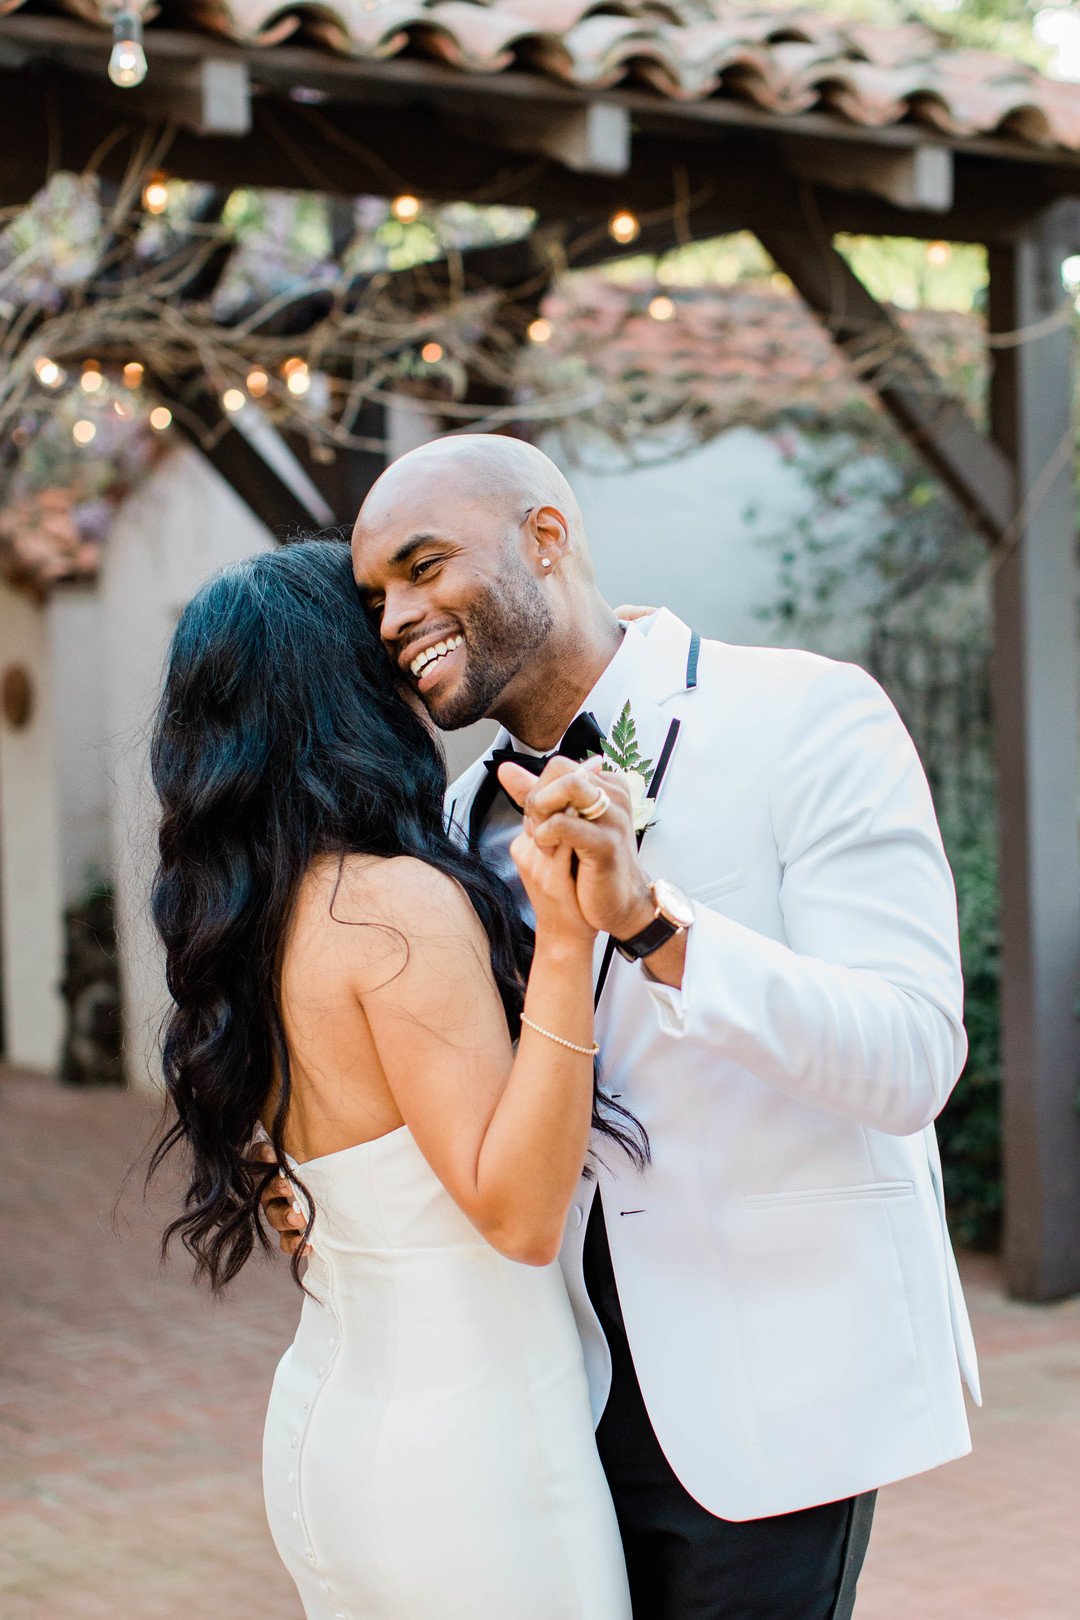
{"x": 282, "y": 734}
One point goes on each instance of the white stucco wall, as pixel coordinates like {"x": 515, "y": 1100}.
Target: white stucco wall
{"x": 675, "y": 534}
{"x": 76, "y": 652}
{"x": 31, "y": 867}
{"x": 181, "y": 526}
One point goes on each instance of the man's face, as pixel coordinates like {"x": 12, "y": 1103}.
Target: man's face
{"x": 458, "y": 609}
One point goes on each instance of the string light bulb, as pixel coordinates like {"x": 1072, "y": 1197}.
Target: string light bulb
{"x": 91, "y": 379}
{"x": 123, "y": 410}
{"x": 624, "y": 226}
{"x": 257, "y": 382}
{"x": 297, "y": 377}
{"x": 938, "y": 253}
{"x": 127, "y": 64}
{"x": 83, "y": 431}
{"x": 160, "y": 417}
{"x": 233, "y": 399}
{"x": 155, "y": 197}
{"x": 661, "y": 308}
{"x": 48, "y": 372}
{"x": 538, "y": 331}
{"x": 133, "y": 374}
{"x": 432, "y": 353}
{"x": 405, "y": 208}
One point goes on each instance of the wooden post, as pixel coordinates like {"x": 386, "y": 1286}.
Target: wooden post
{"x": 1034, "y": 685}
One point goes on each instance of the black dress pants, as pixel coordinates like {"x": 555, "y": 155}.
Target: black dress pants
{"x": 685, "y": 1563}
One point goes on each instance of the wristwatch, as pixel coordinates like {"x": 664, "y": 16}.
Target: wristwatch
{"x": 674, "y": 913}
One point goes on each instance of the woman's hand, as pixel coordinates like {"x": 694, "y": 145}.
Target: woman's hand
{"x": 549, "y": 884}
{"x": 629, "y": 611}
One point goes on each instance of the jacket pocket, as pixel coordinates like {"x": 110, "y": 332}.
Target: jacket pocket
{"x": 832, "y": 1195}
{"x": 718, "y": 887}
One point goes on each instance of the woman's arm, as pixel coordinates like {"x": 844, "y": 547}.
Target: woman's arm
{"x": 506, "y": 1133}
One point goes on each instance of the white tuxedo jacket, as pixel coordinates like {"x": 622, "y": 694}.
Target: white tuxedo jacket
{"x": 786, "y": 1279}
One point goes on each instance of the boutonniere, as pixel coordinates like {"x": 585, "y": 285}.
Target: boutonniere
{"x": 622, "y": 758}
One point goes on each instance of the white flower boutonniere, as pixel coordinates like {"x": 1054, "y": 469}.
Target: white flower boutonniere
{"x": 622, "y": 758}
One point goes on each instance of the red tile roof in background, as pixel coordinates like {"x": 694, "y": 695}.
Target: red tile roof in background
{"x": 749, "y": 354}
{"x": 783, "y": 62}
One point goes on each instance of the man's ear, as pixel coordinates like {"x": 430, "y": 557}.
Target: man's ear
{"x": 549, "y": 532}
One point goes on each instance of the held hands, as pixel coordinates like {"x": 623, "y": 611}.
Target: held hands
{"x": 611, "y": 887}
{"x": 277, "y": 1204}
{"x": 547, "y": 875}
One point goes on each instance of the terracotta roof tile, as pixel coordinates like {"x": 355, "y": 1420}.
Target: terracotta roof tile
{"x": 785, "y": 62}
{"x": 748, "y": 354}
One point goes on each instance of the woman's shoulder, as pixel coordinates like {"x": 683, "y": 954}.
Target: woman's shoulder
{"x": 413, "y": 895}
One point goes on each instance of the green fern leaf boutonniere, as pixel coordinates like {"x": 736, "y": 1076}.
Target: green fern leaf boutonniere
{"x": 623, "y": 757}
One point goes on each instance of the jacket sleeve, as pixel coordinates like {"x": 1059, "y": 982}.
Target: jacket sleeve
{"x": 860, "y": 1010}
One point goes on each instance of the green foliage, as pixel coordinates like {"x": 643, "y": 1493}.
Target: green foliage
{"x": 969, "y": 1130}
{"x": 876, "y": 522}
{"x": 1003, "y": 26}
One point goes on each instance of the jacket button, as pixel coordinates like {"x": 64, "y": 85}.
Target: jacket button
{"x": 576, "y": 1217}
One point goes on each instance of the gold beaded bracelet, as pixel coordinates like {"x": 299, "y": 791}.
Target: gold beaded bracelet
{"x": 586, "y": 1051}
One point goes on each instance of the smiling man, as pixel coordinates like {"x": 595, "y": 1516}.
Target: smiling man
{"x": 484, "y": 628}
{"x": 770, "y": 1313}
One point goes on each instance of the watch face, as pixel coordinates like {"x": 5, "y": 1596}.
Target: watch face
{"x": 673, "y": 904}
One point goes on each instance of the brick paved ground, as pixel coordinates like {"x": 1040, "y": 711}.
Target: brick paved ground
{"x": 130, "y": 1416}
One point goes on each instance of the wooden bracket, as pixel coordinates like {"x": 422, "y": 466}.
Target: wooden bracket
{"x": 918, "y": 178}
{"x": 975, "y": 468}
{"x": 589, "y": 139}
{"x": 211, "y": 97}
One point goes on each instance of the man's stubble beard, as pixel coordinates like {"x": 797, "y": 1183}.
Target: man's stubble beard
{"x": 506, "y": 626}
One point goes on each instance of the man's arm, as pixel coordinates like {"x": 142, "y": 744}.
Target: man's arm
{"x": 860, "y": 1011}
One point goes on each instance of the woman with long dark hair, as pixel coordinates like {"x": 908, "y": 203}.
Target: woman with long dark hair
{"x": 345, "y": 976}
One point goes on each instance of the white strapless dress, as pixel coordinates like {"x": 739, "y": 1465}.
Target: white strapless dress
{"x": 429, "y": 1451}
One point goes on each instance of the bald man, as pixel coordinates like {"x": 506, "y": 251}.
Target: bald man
{"x": 770, "y": 1314}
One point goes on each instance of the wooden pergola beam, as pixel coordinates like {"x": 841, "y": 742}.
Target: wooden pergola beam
{"x": 53, "y": 119}
{"x": 1036, "y": 591}
{"x": 80, "y": 48}
{"x": 974, "y": 467}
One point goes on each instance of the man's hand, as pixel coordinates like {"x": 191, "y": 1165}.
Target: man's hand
{"x": 279, "y": 1205}
{"x": 612, "y": 885}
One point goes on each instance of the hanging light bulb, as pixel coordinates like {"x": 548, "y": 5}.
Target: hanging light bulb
{"x": 405, "y": 208}
{"x": 938, "y": 254}
{"x": 48, "y": 372}
{"x": 127, "y": 64}
{"x": 257, "y": 382}
{"x": 155, "y": 197}
{"x": 298, "y": 383}
{"x": 160, "y": 417}
{"x": 233, "y": 399}
{"x": 83, "y": 431}
{"x": 624, "y": 226}
{"x": 661, "y": 307}
{"x": 91, "y": 379}
{"x": 133, "y": 374}
{"x": 538, "y": 331}
{"x": 432, "y": 353}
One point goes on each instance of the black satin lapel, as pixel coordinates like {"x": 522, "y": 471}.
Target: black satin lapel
{"x": 480, "y": 808}
{"x": 655, "y": 785}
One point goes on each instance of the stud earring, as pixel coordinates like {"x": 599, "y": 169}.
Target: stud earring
{"x": 545, "y": 562}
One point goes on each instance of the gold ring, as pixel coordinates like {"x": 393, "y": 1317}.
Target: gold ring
{"x": 600, "y": 805}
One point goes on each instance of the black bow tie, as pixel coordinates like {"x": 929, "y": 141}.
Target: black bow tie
{"x": 583, "y": 738}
